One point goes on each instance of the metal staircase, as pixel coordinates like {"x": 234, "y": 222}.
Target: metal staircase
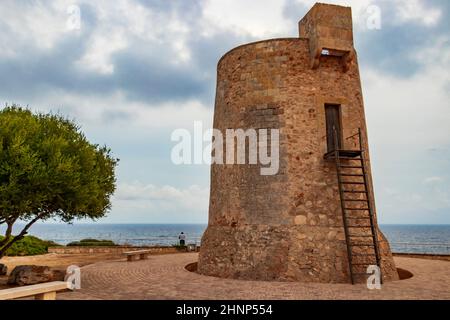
{"x": 357, "y": 209}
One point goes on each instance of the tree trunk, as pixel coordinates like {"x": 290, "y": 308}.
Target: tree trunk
{"x": 11, "y": 240}
{"x": 8, "y": 232}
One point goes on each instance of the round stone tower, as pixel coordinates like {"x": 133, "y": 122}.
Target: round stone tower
{"x": 289, "y": 226}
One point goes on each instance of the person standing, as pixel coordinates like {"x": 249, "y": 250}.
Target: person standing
{"x": 182, "y": 238}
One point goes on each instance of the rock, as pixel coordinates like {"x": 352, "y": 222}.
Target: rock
{"x": 340, "y": 236}
{"x": 300, "y": 220}
{"x": 58, "y": 275}
{"x": 3, "y": 269}
{"x": 28, "y": 275}
{"x": 319, "y": 237}
{"x": 331, "y": 235}
{"x": 301, "y": 236}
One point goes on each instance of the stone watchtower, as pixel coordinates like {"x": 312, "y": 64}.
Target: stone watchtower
{"x": 315, "y": 220}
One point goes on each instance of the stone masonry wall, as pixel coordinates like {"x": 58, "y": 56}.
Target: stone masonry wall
{"x": 288, "y": 226}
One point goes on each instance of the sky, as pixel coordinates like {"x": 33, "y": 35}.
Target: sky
{"x": 130, "y": 72}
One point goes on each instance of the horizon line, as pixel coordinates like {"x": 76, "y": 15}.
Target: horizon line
{"x": 194, "y": 223}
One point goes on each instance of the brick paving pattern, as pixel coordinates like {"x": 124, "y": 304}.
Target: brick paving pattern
{"x": 164, "y": 277}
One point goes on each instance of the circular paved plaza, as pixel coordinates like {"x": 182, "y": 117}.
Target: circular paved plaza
{"x": 165, "y": 277}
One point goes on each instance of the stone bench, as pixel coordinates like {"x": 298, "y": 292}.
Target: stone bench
{"x": 143, "y": 254}
{"x": 41, "y": 291}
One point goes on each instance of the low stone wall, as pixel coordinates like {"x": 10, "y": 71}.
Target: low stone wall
{"x": 445, "y": 257}
{"x": 112, "y": 250}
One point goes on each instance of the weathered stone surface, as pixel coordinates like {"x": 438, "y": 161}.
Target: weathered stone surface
{"x": 3, "y": 269}
{"x": 287, "y": 226}
{"x": 300, "y": 220}
{"x": 331, "y": 235}
{"x": 28, "y": 275}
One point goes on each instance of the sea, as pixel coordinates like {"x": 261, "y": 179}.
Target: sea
{"x": 403, "y": 238}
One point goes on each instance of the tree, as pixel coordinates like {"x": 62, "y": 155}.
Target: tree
{"x": 49, "y": 170}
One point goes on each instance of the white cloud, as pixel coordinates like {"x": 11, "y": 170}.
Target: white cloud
{"x": 129, "y": 22}
{"x": 161, "y": 203}
{"x": 359, "y": 7}
{"x": 258, "y": 18}
{"x": 264, "y": 19}
{"x": 100, "y": 48}
{"x": 190, "y": 198}
{"x": 93, "y": 109}
{"x": 433, "y": 180}
{"x": 405, "y": 11}
{"x": 42, "y": 24}
{"x": 406, "y": 118}
{"x": 411, "y": 112}
{"x": 38, "y": 24}
{"x": 416, "y": 10}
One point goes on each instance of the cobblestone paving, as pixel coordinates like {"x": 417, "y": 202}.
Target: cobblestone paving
{"x": 164, "y": 277}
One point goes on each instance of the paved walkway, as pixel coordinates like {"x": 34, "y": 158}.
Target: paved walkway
{"x": 164, "y": 277}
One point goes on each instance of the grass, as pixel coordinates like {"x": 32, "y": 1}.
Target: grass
{"x": 29, "y": 246}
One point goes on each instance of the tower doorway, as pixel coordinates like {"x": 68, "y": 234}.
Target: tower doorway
{"x": 333, "y": 122}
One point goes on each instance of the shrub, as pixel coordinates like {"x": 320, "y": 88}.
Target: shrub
{"x": 29, "y": 246}
{"x": 92, "y": 243}
{"x": 180, "y": 247}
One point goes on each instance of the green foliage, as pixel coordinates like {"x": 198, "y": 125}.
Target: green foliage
{"x": 49, "y": 170}
{"x": 47, "y": 164}
{"x": 29, "y": 246}
{"x": 92, "y": 243}
{"x": 93, "y": 240}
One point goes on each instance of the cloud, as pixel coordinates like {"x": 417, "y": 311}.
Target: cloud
{"x": 412, "y": 111}
{"x": 155, "y": 51}
{"x": 261, "y": 18}
{"x": 35, "y": 24}
{"x": 406, "y": 26}
{"x": 116, "y": 109}
{"x": 416, "y": 10}
{"x": 433, "y": 180}
{"x": 138, "y": 69}
{"x": 152, "y": 51}
{"x": 161, "y": 204}
{"x": 409, "y": 136}
{"x": 100, "y": 49}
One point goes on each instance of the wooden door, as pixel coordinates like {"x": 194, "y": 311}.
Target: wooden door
{"x": 333, "y": 118}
